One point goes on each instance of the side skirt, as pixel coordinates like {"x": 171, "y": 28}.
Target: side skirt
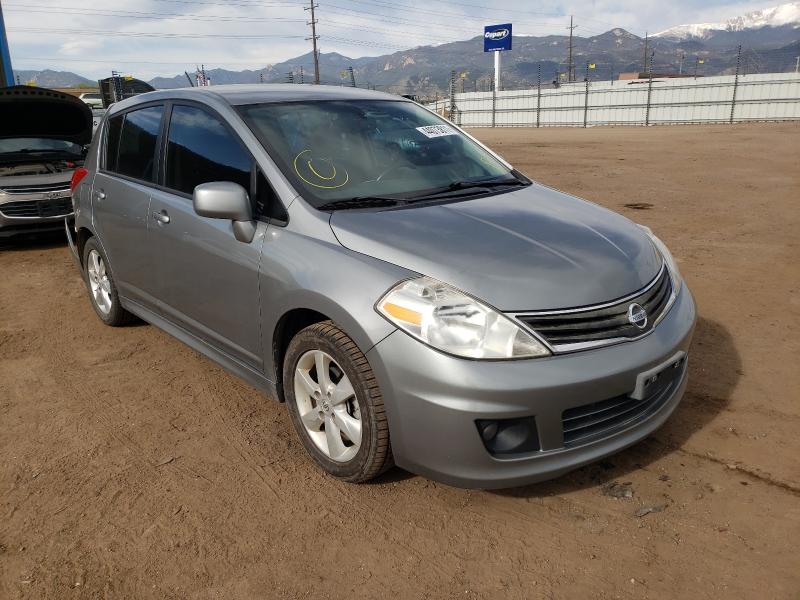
{"x": 242, "y": 371}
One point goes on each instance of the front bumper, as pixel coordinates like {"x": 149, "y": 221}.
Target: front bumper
{"x": 26, "y": 225}
{"x": 433, "y": 402}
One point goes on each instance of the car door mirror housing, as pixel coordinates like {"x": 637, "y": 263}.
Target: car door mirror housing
{"x": 226, "y": 200}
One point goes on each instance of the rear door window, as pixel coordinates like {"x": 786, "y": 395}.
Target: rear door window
{"x": 137, "y": 143}
{"x": 200, "y": 149}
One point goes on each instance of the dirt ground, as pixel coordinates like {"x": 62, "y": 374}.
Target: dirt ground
{"x": 133, "y": 468}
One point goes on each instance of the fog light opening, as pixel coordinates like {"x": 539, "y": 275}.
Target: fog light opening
{"x": 507, "y": 437}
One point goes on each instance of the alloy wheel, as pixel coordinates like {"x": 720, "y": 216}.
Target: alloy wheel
{"x": 99, "y": 282}
{"x": 327, "y": 404}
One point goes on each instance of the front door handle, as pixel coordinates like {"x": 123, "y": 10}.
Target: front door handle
{"x": 161, "y": 217}
{"x": 100, "y": 195}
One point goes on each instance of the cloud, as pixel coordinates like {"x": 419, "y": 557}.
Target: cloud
{"x": 93, "y": 39}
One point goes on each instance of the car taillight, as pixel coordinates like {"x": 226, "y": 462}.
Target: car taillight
{"x": 77, "y": 177}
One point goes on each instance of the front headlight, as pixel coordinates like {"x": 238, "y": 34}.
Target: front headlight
{"x": 669, "y": 260}
{"x": 441, "y": 316}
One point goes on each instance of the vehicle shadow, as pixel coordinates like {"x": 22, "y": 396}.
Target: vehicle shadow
{"x": 34, "y": 241}
{"x": 714, "y": 371}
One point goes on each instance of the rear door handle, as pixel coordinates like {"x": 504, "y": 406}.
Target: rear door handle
{"x": 161, "y": 217}
{"x": 100, "y": 195}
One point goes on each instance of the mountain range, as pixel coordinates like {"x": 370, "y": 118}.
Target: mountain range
{"x": 770, "y": 42}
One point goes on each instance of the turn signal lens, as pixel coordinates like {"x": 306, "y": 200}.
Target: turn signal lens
{"x": 449, "y": 320}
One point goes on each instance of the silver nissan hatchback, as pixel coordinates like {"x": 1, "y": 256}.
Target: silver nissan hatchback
{"x": 413, "y": 298}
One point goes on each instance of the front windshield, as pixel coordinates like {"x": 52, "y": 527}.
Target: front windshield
{"x": 339, "y": 150}
{"x": 38, "y": 146}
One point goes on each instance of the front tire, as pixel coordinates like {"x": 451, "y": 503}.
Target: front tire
{"x": 335, "y": 404}
{"x": 102, "y": 289}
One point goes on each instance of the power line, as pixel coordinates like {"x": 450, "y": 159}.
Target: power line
{"x": 208, "y": 18}
{"x": 146, "y": 34}
{"x": 32, "y": 8}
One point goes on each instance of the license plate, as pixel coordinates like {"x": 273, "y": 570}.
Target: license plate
{"x": 656, "y": 380}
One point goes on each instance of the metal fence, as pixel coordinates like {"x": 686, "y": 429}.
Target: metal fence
{"x": 651, "y": 101}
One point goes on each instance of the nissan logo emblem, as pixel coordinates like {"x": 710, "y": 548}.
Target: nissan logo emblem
{"x": 637, "y": 316}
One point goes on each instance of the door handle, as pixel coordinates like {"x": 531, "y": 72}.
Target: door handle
{"x": 161, "y": 217}
{"x": 100, "y": 195}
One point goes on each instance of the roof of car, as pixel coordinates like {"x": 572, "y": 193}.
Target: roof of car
{"x": 237, "y": 95}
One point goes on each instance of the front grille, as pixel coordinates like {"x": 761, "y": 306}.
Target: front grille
{"x": 61, "y": 186}
{"x": 610, "y": 322}
{"x": 58, "y": 207}
{"x": 584, "y": 423}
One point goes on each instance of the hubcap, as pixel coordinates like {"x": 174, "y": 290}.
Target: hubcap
{"x": 327, "y": 405}
{"x": 99, "y": 282}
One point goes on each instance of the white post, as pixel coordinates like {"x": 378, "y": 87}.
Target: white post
{"x": 497, "y": 70}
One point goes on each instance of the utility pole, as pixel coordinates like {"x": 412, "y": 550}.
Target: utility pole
{"x": 352, "y": 76}
{"x": 302, "y": 75}
{"x": 680, "y": 69}
{"x": 797, "y": 65}
{"x": 314, "y": 37}
{"x": 570, "y": 62}
{"x": 646, "y": 43}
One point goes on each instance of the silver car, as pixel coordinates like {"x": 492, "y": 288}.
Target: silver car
{"x": 412, "y": 297}
{"x": 42, "y": 138}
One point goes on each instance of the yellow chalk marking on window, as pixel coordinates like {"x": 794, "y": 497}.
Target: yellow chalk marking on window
{"x": 314, "y": 171}
{"x": 317, "y": 185}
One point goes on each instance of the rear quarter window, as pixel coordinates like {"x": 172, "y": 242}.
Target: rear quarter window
{"x": 114, "y": 128}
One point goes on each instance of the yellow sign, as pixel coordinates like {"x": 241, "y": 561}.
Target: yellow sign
{"x": 701, "y": 62}
{"x": 592, "y": 65}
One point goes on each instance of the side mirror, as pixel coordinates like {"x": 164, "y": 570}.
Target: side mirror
{"x": 226, "y": 200}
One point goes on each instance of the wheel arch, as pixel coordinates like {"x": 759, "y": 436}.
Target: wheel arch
{"x": 289, "y": 325}
{"x": 83, "y": 235}
{"x": 365, "y": 332}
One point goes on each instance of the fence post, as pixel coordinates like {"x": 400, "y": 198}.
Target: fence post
{"x": 586, "y": 98}
{"x": 539, "y": 96}
{"x": 494, "y": 103}
{"x": 452, "y": 95}
{"x": 736, "y": 82}
{"x": 649, "y": 90}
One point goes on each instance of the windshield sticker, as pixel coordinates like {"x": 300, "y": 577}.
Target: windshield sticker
{"x": 435, "y": 131}
{"x": 319, "y": 172}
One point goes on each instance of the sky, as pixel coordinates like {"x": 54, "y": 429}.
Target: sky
{"x": 146, "y": 38}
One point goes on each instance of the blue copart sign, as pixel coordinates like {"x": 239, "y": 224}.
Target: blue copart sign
{"x": 497, "y": 37}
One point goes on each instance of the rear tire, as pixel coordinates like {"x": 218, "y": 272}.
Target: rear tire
{"x": 335, "y": 404}
{"x": 102, "y": 289}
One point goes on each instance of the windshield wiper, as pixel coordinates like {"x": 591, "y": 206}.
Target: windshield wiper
{"x": 361, "y": 202}
{"x": 470, "y": 185}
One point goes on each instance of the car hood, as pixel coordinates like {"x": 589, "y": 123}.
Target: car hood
{"x": 531, "y": 249}
{"x": 32, "y": 112}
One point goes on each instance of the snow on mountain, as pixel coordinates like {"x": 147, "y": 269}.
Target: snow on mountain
{"x": 777, "y": 16}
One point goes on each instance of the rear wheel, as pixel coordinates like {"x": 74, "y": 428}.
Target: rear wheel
{"x": 335, "y": 404}
{"x": 101, "y": 286}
